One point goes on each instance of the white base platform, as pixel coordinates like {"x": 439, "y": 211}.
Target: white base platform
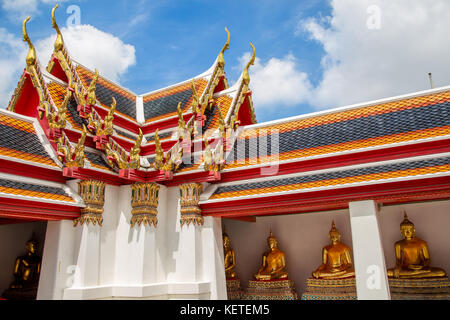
{"x": 196, "y": 291}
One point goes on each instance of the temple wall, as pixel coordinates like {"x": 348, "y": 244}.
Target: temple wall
{"x": 300, "y": 236}
{"x": 303, "y": 236}
{"x": 13, "y": 238}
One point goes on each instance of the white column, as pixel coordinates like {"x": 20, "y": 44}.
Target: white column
{"x": 213, "y": 261}
{"x": 370, "y": 267}
{"x": 88, "y": 256}
{"x": 188, "y": 262}
{"x": 141, "y": 265}
{"x": 58, "y": 260}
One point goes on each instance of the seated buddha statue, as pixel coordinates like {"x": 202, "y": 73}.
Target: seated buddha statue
{"x": 229, "y": 258}
{"x": 27, "y": 267}
{"x": 273, "y": 263}
{"x": 336, "y": 259}
{"x": 412, "y": 259}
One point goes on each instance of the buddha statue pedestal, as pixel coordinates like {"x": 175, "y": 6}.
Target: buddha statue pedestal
{"x": 330, "y": 289}
{"x": 234, "y": 291}
{"x": 20, "y": 293}
{"x": 282, "y": 289}
{"x": 420, "y": 289}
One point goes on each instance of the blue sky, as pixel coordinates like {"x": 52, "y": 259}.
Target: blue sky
{"x": 311, "y": 55}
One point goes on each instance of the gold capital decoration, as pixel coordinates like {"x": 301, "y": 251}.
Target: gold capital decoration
{"x": 144, "y": 201}
{"x": 93, "y": 194}
{"x": 189, "y": 198}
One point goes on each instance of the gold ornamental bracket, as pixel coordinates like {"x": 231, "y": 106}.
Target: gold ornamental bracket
{"x": 93, "y": 194}
{"x": 144, "y": 201}
{"x": 72, "y": 157}
{"x": 189, "y": 198}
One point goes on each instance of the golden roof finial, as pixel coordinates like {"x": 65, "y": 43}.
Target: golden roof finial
{"x": 246, "y": 76}
{"x": 59, "y": 42}
{"x": 220, "y": 58}
{"x": 31, "y": 56}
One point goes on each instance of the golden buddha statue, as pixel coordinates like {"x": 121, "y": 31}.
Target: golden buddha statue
{"x": 27, "y": 267}
{"x": 412, "y": 259}
{"x": 274, "y": 262}
{"x": 336, "y": 259}
{"x": 229, "y": 258}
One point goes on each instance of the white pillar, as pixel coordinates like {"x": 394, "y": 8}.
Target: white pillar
{"x": 213, "y": 257}
{"x": 370, "y": 267}
{"x": 57, "y": 261}
{"x": 88, "y": 257}
{"x": 188, "y": 262}
{"x": 141, "y": 265}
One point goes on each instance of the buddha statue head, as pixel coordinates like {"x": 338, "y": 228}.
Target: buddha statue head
{"x": 272, "y": 241}
{"x": 226, "y": 240}
{"x": 334, "y": 234}
{"x": 407, "y": 228}
{"x": 31, "y": 246}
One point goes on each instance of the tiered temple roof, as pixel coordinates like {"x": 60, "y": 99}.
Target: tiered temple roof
{"x": 71, "y": 122}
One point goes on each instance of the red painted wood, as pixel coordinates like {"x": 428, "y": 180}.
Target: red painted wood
{"x": 412, "y": 190}
{"x": 29, "y": 99}
{"x": 31, "y": 171}
{"x": 86, "y": 174}
{"x": 57, "y": 71}
{"x": 35, "y": 210}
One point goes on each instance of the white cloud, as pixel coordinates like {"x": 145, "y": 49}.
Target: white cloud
{"x": 292, "y": 85}
{"x": 88, "y": 45}
{"x": 360, "y": 63}
{"x": 94, "y": 49}
{"x": 19, "y": 9}
{"x": 11, "y": 48}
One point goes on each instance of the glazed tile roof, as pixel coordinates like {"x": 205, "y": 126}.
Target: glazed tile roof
{"x": 19, "y": 140}
{"x": 393, "y": 122}
{"x": 58, "y": 92}
{"x": 212, "y": 119}
{"x": 336, "y": 178}
{"x": 163, "y": 103}
{"x": 35, "y": 191}
{"x": 105, "y": 90}
{"x": 97, "y": 161}
{"x": 162, "y": 136}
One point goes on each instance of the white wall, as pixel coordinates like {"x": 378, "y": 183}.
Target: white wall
{"x": 300, "y": 236}
{"x": 13, "y": 238}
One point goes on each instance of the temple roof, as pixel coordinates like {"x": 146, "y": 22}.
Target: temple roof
{"x": 397, "y": 120}
{"x": 20, "y": 141}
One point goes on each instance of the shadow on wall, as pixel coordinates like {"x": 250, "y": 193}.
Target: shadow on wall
{"x": 13, "y": 238}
